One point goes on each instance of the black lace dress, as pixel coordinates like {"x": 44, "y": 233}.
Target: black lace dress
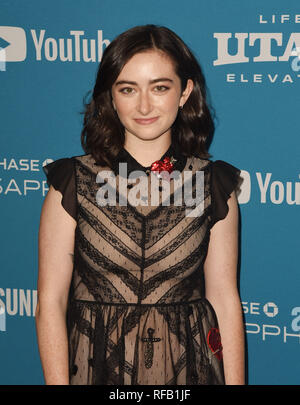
{"x": 137, "y": 312}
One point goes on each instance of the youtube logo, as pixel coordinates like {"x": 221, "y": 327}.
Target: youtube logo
{"x": 15, "y": 46}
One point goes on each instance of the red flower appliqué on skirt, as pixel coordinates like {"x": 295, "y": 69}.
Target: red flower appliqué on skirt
{"x": 214, "y": 342}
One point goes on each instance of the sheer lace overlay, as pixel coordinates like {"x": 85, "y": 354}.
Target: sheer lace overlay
{"x": 137, "y": 312}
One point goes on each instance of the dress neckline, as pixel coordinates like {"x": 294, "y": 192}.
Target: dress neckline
{"x": 132, "y": 164}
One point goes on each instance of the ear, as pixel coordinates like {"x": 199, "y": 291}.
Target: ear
{"x": 186, "y": 93}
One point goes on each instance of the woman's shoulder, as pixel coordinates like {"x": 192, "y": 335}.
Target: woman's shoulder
{"x": 225, "y": 175}
{"x": 84, "y": 158}
{"x": 88, "y": 160}
{"x": 218, "y": 167}
{"x": 224, "y": 179}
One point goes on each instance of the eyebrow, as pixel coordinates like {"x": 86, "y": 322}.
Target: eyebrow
{"x": 161, "y": 79}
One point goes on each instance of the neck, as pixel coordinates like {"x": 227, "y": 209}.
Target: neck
{"x": 147, "y": 151}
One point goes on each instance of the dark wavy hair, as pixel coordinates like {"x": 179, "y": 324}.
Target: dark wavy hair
{"x": 103, "y": 134}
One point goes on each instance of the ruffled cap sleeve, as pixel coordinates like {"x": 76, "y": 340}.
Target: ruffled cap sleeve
{"x": 224, "y": 179}
{"x": 61, "y": 175}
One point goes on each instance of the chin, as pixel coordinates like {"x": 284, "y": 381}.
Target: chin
{"x": 147, "y": 133}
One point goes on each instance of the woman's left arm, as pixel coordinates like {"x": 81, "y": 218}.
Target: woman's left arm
{"x": 220, "y": 269}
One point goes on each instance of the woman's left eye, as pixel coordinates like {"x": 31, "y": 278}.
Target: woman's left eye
{"x": 126, "y": 90}
{"x": 161, "y": 88}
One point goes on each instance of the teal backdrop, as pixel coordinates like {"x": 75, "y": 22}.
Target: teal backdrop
{"x": 248, "y": 52}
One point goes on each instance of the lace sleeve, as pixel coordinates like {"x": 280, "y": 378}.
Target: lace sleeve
{"x": 224, "y": 179}
{"x": 61, "y": 175}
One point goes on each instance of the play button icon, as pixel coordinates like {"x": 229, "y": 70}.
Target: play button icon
{"x": 13, "y": 43}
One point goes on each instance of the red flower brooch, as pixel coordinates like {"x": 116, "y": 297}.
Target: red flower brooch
{"x": 214, "y": 342}
{"x": 165, "y": 165}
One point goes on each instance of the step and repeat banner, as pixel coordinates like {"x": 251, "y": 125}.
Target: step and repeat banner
{"x": 249, "y": 53}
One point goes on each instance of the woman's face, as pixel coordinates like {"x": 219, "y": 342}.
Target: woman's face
{"x": 147, "y": 95}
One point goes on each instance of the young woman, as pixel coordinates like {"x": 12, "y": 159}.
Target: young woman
{"x": 141, "y": 293}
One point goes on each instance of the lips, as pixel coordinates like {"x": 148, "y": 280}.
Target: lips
{"x": 147, "y": 121}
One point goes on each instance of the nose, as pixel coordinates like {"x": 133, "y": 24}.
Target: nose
{"x": 144, "y": 103}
